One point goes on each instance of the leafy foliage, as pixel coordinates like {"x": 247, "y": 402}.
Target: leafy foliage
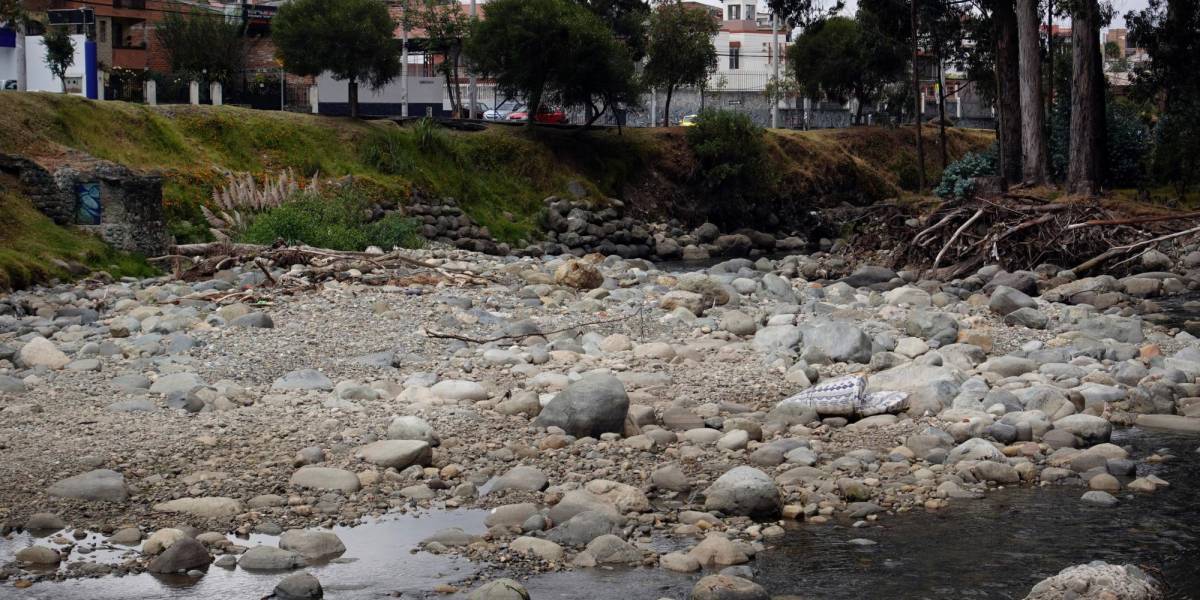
{"x": 202, "y": 45}
{"x": 337, "y": 222}
{"x": 446, "y": 26}
{"x": 957, "y": 178}
{"x": 802, "y": 13}
{"x": 60, "y": 53}
{"x": 681, "y": 48}
{"x": 352, "y": 39}
{"x": 840, "y": 58}
{"x": 627, "y": 19}
{"x": 732, "y": 171}
{"x": 1128, "y": 142}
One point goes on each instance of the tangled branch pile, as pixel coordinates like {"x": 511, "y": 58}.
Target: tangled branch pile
{"x": 1017, "y": 232}
{"x": 196, "y": 262}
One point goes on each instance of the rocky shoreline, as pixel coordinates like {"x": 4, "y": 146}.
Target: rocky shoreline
{"x": 591, "y": 403}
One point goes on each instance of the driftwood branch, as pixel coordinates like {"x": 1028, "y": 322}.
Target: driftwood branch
{"x": 1118, "y": 250}
{"x": 950, "y": 242}
{"x": 462, "y": 338}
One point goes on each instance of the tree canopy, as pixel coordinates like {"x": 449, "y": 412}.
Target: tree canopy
{"x": 681, "y": 49}
{"x": 60, "y": 53}
{"x": 351, "y": 39}
{"x": 446, "y": 27}
{"x": 841, "y": 58}
{"x": 202, "y": 45}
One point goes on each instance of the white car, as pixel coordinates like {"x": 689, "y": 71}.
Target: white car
{"x": 502, "y": 111}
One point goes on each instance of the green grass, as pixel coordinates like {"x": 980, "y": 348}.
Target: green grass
{"x": 31, "y": 246}
{"x": 336, "y": 221}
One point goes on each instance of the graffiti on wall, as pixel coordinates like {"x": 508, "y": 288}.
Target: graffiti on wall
{"x": 88, "y": 209}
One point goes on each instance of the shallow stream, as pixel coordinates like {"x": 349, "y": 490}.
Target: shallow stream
{"x": 993, "y": 548}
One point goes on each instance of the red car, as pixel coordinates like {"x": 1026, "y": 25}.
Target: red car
{"x": 553, "y": 116}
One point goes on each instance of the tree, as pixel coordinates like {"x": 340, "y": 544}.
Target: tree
{"x": 1085, "y": 168}
{"x": 627, "y": 20}
{"x": 201, "y": 45}
{"x": 521, "y": 44}
{"x": 1170, "y": 34}
{"x": 681, "y": 49}
{"x": 1112, "y": 50}
{"x": 351, "y": 39}
{"x": 1008, "y": 87}
{"x": 803, "y": 13}
{"x": 446, "y": 26}
{"x": 841, "y": 58}
{"x": 60, "y": 53}
{"x": 600, "y": 73}
{"x": 1034, "y": 160}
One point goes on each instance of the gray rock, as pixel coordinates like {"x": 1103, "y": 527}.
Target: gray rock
{"x": 867, "y": 275}
{"x": 584, "y": 527}
{"x": 744, "y": 491}
{"x": 254, "y": 320}
{"x": 777, "y": 339}
{"x": 312, "y": 545}
{"x": 735, "y": 322}
{"x": 267, "y": 558}
{"x": 932, "y": 326}
{"x": 836, "y": 342}
{"x": 412, "y": 428}
{"x": 523, "y": 478}
{"x": 11, "y": 385}
{"x": 1121, "y": 329}
{"x": 1005, "y": 300}
{"x": 500, "y": 589}
{"x": 975, "y": 449}
{"x": 304, "y": 379}
{"x": 452, "y": 537}
{"x": 325, "y": 478}
{"x": 41, "y": 352}
{"x": 1093, "y": 430}
{"x": 299, "y": 586}
{"x": 183, "y": 555}
{"x": 1098, "y": 579}
{"x": 177, "y": 383}
{"x": 726, "y": 587}
{"x": 397, "y": 454}
{"x": 594, "y": 405}
{"x": 1027, "y": 317}
{"x": 1099, "y": 498}
{"x": 212, "y": 507}
{"x": 457, "y": 389}
{"x": 100, "y": 485}
{"x": 609, "y": 549}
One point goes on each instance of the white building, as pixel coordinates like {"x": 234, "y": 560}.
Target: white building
{"x": 38, "y": 76}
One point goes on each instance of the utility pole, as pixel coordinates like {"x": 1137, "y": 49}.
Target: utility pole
{"x": 404, "y": 58}
{"x": 472, "y": 87}
{"x": 918, "y": 100}
{"x": 775, "y": 64}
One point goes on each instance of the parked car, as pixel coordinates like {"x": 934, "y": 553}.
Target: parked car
{"x": 502, "y": 110}
{"x": 552, "y": 116}
{"x": 688, "y": 120}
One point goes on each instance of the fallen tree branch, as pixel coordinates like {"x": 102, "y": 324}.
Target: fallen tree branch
{"x": 462, "y": 338}
{"x": 1131, "y": 221}
{"x": 957, "y": 232}
{"x": 1096, "y": 260}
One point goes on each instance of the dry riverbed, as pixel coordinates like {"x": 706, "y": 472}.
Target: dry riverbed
{"x": 165, "y": 418}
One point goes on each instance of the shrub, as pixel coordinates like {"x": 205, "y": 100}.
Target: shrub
{"x": 336, "y": 222}
{"x": 430, "y": 136}
{"x": 1127, "y": 142}
{"x": 732, "y": 158}
{"x": 957, "y": 178}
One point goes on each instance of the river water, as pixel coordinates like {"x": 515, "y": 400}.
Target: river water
{"x": 997, "y": 547}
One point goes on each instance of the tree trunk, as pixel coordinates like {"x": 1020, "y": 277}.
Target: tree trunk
{"x": 1008, "y": 92}
{"x": 352, "y": 94}
{"x": 1033, "y": 132}
{"x": 1084, "y": 171}
{"x": 667, "y": 106}
{"x": 916, "y": 74}
{"x": 941, "y": 96}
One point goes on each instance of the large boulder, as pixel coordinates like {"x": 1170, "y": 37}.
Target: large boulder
{"x": 1092, "y": 429}
{"x": 932, "y": 325}
{"x": 100, "y": 485}
{"x": 312, "y": 545}
{"x": 299, "y": 586}
{"x": 1121, "y": 329}
{"x": 1098, "y": 580}
{"x": 930, "y": 389}
{"x": 326, "y": 478}
{"x": 836, "y": 342}
{"x": 777, "y": 339}
{"x": 579, "y": 275}
{"x": 744, "y": 491}
{"x": 728, "y": 587}
{"x": 213, "y": 507}
{"x": 269, "y": 558}
{"x": 41, "y": 352}
{"x": 184, "y": 555}
{"x": 397, "y": 454}
{"x": 410, "y": 427}
{"x": 869, "y": 275}
{"x": 594, "y": 405}
{"x": 500, "y": 589}
{"x": 1005, "y": 300}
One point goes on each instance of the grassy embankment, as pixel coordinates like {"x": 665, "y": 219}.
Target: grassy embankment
{"x": 499, "y": 176}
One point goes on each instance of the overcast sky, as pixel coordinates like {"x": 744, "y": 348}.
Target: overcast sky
{"x": 1121, "y": 7}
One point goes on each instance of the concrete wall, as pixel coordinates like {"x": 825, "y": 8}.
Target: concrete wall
{"x": 39, "y": 78}
{"x": 423, "y": 93}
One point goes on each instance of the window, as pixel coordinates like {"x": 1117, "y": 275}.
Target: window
{"x": 735, "y": 12}
{"x": 734, "y": 58}
{"x": 749, "y": 12}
